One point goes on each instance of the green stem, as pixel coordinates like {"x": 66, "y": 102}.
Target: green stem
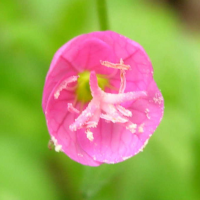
{"x": 102, "y": 14}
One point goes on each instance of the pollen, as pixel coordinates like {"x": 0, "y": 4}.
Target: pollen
{"x": 132, "y": 127}
{"x": 141, "y": 128}
{"x": 158, "y": 99}
{"x": 58, "y": 147}
{"x": 89, "y": 135}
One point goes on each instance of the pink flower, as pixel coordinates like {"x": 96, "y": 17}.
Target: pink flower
{"x": 100, "y": 100}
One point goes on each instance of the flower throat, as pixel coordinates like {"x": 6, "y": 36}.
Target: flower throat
{"x": 90, "y": 88}
{"x": 83, "y": 92}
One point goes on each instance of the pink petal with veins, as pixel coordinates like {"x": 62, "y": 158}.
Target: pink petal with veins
{"x": 110, "y": 142}
{"x": 58, "y": 120}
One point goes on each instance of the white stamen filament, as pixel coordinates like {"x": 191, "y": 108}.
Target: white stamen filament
{"x": 120, "y": 65}
{"x": 72, "y": 109}
{"x": 64, "y": 84}
{"x": 124, "y": 111}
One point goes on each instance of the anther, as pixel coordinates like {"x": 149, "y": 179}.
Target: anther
{"x": 120, "y": 65}
{"x": 64, "y": 84}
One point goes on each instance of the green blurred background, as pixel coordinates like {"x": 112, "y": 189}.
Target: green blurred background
{"x": 30, "y": 33}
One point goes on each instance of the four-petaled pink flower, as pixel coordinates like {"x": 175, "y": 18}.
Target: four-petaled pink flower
{"x": 100, "y": 100}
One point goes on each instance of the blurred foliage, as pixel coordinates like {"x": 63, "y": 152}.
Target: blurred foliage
{"x": 30, "y": 33}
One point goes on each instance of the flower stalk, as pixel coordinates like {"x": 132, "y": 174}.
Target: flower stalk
{"x": 102, "y": 15}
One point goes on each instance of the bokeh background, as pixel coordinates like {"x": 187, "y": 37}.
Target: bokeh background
{"x": 30, "y": 33}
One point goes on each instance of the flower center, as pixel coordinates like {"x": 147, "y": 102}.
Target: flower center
{"x": 90, "y": 88}
{"x": 83, "y": 92}
{"x": 103, "y": 105}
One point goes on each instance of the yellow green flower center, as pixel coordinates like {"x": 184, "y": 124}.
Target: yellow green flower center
{"x": 83, "y": 92}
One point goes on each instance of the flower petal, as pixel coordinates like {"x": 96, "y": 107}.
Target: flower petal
{"x": 88, "y": 54}
{"x": 58, "y": 119}
{"x": 113, "y": 143}
{"x": 59, "y": 68}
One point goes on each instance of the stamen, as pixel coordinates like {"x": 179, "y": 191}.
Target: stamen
{"x": 91, "y": 113}
{"x": 114, "y": 119}
{"x": 64, "y": 85}
{"x": 91, "y": 124}
{"x": 123, "y": 97}
{"x": 72, "y": 109}
{"x": 124, "y": 111}
{"x": 120, "y": 65}
{"x": 123, "y": 81}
